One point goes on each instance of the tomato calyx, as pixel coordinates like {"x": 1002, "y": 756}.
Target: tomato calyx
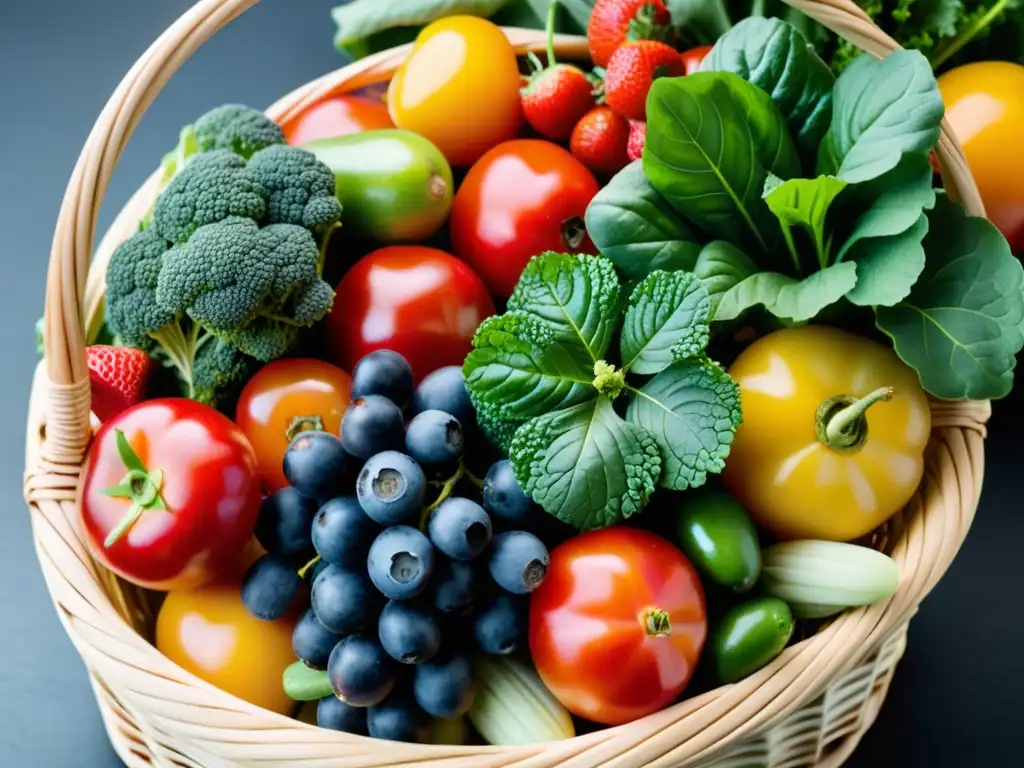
{"x": 656, "y": 622}
{"x": 841, "y": 421}
{"x": 608, "y": 380}
{"x": 141, "y": 485}
{"x": 574, "y": 230}
{"x": 301, "y": 424}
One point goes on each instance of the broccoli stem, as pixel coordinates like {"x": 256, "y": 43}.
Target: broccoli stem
{"x": 181, "y": 349}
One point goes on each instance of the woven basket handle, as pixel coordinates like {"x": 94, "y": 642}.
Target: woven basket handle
{"x": 68, "y": 426}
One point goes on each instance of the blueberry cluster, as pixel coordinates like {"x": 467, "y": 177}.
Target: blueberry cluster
{"x": 417, "y": 562}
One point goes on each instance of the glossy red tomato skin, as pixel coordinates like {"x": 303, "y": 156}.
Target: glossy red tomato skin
{"x": 519, "y": 200}
{"x": 281, "y": 392}
{"x": 587, "y": 634}
{"x": 415, "y": 300}
{"x": 693, "y": 58}
{"x": 210, "y": 488}
{"x": 336, "y": 116}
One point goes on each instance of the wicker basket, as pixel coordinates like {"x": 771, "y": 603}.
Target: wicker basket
{"x": 808, "y": 708}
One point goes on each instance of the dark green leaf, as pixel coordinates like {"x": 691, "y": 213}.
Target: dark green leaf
{"x": 634, "y": 226}
{"x": 804, "y": 203}
{"x": 572, "y": 16}
{"x": 666, "y": 321}
{"x": 579, "y": 11}
{"x": 785, "y": 296}
{"x": 517, "y": 363}
{"x": 882, "y": 109}
{"x": 712, "y": 140}
{"x": 722, "y": 266}
{"x": 577, "y": 296}
{"x": 693, "y": 410}
{"x": 360, "y": 19}
{"x": 888, "y": 267}
{"x": 301, "y": 683}
{"x": 707, "y": 19}
{"x": 585, "y": 465}
{"x": 776, "y": 57}
{"x": 960, "y": 327}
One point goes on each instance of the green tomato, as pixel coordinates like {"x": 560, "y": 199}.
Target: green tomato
{"x": 719, "y": 537}
{"x": 394, "y": 186}
{"x": 749, "y": 636}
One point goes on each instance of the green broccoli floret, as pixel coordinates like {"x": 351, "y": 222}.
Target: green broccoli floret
{"x": 300, "y": 187}
{"x": 219, "y": 371}
{"x": 236, "y": 127}
{"x": 212, "y": 187}
{"x": 254, "y": 288}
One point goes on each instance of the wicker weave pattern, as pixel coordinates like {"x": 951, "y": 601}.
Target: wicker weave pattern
{"x": 808, "y": 708}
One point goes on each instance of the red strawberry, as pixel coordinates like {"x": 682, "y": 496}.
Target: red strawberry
{"x": 637, "y": 136}
{"x": 118, "y": 377}
{"x": 613, "y": 22}
{"x": 556, "y": 98}
{"x": 599, "y": 141}
{"x": 632, "y": 71}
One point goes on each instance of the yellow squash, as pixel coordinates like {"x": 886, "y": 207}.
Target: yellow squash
{"x": 833, "y": 435}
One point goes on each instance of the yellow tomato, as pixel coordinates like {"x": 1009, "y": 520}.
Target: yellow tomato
{"x": 985, "y": 108}
{"x": 833, "y": 435}
{"x": 208, "y": 632}
{"x": 459, "y": 88}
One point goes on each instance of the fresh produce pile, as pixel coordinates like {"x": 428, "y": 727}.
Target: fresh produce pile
{"x": 435, "y": 428}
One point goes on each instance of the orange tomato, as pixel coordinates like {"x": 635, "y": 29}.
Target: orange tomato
{"x": 336, "y": 116}
{"x": 985, "y": 108}
{"x": 208, "y": 632}
{"x": 283, "y": 398}
{"x": 459, "y": 88}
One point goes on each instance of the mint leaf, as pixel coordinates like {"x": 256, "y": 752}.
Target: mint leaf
{"x": 634, "y": 226}
{"x": 960, "y": 327}
{"x": 775, "y": 56}
{"x": 722, "y": 266}
{"x": 881, "y": 110}
{"x": 666, "y": 321}
{"x": 692, "y": 410}
{"x": 888, "y": 267}
{"x": 577, "y": 296}
{"x": 787, "y": 297}
{"x": 712, "y": 140}
{"x": 517, "y": 362}
{"x": 585, "y": 465}
{"x": 804, "y": 203}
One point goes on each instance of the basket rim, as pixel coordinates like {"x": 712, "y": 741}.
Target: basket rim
{"x": 957, "y": 431}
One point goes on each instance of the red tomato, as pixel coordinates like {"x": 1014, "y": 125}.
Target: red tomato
{"x": 336, "y": 116}
{"x": 693, "y": 57}
{"x": 420, "y": 302}
{"x": 618, "y": 625}
{"x": 190, "y": 474}
{"x": 522, "y": 198}
{"x": 284, "y": 398}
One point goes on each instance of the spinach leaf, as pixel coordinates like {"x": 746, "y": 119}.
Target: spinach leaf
{"x": 721, "y": 266}
{"x": 712, "y": 140}
{"x": 666, "y": 321}
{"x": 634, "y": 226}
{"x": 360, "y": 19}
{"x": 577, "y": 296}
{"x": 888, "y": 267}
{"x": 585, "y": 465}
{"x": 516, "y": 361}
{"x": 882, "y": 109}
{"x": 960, "y": 327}
{"x": 693, "y": 410}
{"x": 787, "y": 297}
{"x": 776, "y": 57}
{"x": 804, "y": 203}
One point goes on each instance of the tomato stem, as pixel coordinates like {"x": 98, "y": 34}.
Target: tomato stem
{"x": 841, "y": 422}
{"x": 657, "y": 622}
{"x": 141, "y": 485}
{"x": 304, "y": 424}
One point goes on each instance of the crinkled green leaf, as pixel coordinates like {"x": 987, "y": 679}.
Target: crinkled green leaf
{"x": 585, "y": 465}
{"x": 960, "y": 327}
{"x": 666, "y": 321}
{"x": 773, "y": 55}
{"x": 722, "y": 266}
{"x": 577, "y": 296}
{"x": 634, "y": 226}
{"x": 518, "y": 363}
{"x": 360, "y": 19}
{"x": 497, "y": 429}
{"x": 888, "y": 267}
{"x": 712, "y": 140}
{"x": 882, "y": 109}
{"x": 692, "y": 410}
{"x": 785, "y": 296}
{"x": 804, "y": 203}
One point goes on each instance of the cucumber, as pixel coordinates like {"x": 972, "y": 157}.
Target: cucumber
{"x": 513, "y": 707}
{"x": 394, "y": 186}
{"x": 823, "y": 578}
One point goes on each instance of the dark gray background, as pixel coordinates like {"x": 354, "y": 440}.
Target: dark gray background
{"x": 958, "y": 698}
